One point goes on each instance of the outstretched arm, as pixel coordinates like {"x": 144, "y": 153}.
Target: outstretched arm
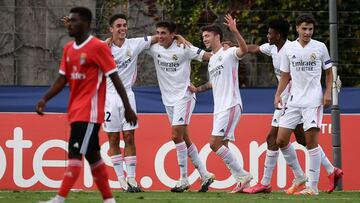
{"x": 253, "y": 48}
{"x": 130, "y": 115}
{"x": 58, "y": 85}
{"x": 231, "y": 24}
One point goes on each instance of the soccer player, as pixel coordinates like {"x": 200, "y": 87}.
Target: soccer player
{"x": 302, "y": 61}
{"x": 223, "y": 72}
{"x": 172, "y": 64}
{"x": 125, "y": 52}
{"x": 85, "y": 63}
{"x": 277, "y": 39}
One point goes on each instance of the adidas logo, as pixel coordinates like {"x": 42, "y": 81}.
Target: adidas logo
{"x": 222, "y": 130}
{"x": 313, "y": 122}
{"x": 159, "y": 56}
{"x": 76, "y": 145}
{"x": 275, "y": 121}
{"x": 181, "y": 119}
{"x": 293, "y": 57}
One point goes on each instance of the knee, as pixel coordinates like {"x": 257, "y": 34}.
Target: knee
{"x": 114, "y": 141}
{"x": 271, "y": 142}
{"x": 214, "y": 145}
{"x": 129, "y": 139}
{"x": 281, "y": 143}
{"x": 177, "y": 134}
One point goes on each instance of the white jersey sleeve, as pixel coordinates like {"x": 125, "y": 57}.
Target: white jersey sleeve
{"x": 265, "y": 49}
{"x": 326, "y": 58}
{"x": 284, "y": 62}
{"x": 195, "y": 53}
{"x": 234, "y": 53}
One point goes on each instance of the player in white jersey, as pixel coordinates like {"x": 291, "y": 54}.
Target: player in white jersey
{"x": 277, "y": 39}
{"x": 125, "y": 52}
{"x": 303, "y": 61}
{"x": 223, "y": 72}
{"x": 173, "y": 68}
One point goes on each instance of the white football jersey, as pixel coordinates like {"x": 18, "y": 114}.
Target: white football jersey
{"x": 126, "y": 61}
{"x": 173, "y": 70}
{"x": 305, "y": 65}
{"x": 272, "y": 50}
{"x": 223, "y": 72}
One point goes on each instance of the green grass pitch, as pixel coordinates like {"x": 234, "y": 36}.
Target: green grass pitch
{"x": 9, "y": 196}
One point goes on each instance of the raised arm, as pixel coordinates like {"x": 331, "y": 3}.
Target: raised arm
{"x": 58, "y": 85}
{"x": 231, "y": 24}
{"x": 130, "y": 115}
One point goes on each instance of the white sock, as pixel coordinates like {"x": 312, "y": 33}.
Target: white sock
{"x": 195, "y": 159}
{"x": 314, "y": 167}
{"x": 292, "y": 160}
{"x": 117, "y": 161}
{"x": 130, "y": 162}
{"x": 325, "y": 162}
{"x": 270, "y": 162}
{"x": 182, "y": 155}
{"x": 231, "y": 161}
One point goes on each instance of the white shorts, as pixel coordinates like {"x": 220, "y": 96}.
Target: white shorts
{"x": 292, "y": 116}
{"x": 225, "y": 122}
{"x": 115, "y": 113}
{"x": 277, "y": 113}
{"x": 180, "y": 114}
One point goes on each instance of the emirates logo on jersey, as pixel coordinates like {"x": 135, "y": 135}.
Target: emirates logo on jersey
{"x": 82, "y": 58}
{"x": 128, "y": 53}
{"x": 76, "y": 75}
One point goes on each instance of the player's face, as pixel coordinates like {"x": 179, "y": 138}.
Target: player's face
{"x": 77, "y": 26}
{"x": 165, "y": 37}
{"x": 305, "y": 31}
{"x": 119, "y": 29}
{"x": 208, "y": 39}
{"x": 273, "y": 36}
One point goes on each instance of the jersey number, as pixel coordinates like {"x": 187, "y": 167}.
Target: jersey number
{"x": 108, "y": 114}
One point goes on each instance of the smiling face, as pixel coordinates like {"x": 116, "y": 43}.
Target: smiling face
{"x": 165, "y": 37}
{"x": 119, "y": 29}
{"x": 209, "y": 39}
{"x": 273, "y": 36}
{"x": 305, "y": 31}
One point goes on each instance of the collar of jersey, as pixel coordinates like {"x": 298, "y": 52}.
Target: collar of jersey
{"x": 82, "y": 44}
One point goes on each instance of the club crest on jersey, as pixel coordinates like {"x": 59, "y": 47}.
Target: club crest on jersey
{"x": 313, "y": 57}
{"x": 128, "y": 53}
{"x": 67, "y": 59}
{"x": 82, "y": 58}
{"x": 74, "y": 68}
{"x": 175, "y": 57}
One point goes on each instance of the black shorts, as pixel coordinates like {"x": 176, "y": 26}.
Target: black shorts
{"x": 84, "y": 138}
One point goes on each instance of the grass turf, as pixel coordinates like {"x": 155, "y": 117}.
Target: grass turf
{"x": 9, "y": 196}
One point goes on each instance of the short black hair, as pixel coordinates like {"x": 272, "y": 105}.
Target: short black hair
{"x": 115, "y": 17}
{"x": 171, "y": 26}
{"x": 83, "y": 12}
{"x": 305, "y": 18}
{"x": 213, "y": 28}
{"x": 281, "y": 26}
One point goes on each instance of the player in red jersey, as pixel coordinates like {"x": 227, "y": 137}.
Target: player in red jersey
{"x": 84, "y": 65}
